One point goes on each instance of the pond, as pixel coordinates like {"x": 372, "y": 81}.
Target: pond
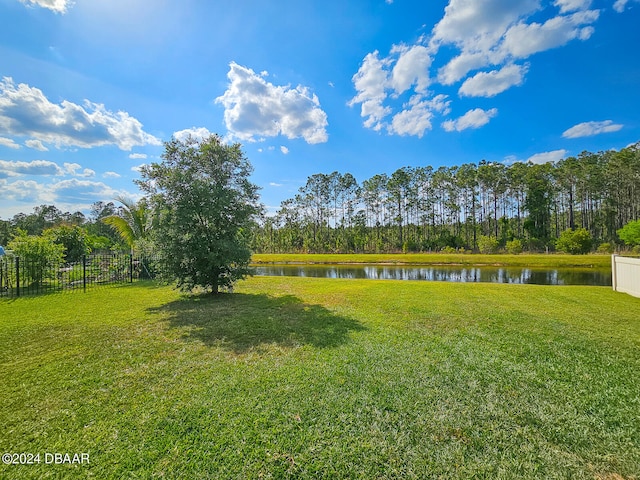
{"x": 446, "y": 273}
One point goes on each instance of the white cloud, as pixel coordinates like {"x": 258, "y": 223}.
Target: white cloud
{"x": 588, "y": 129}
{"x": 26, "y": 191}
{"x": 459, "y": 66}
{"x": 492, "y": 32}
{"x": 479, "y": 43}
{"x": 412, "y": 68}
{"x": 58, "y": 6}
{"x": 416, "y": 118}
{"x": 523, "y": 40}
{"x": 475, "y": 118}
{"x": 406, "y": 68}
{"x": 548, "y": 157}
{"x": 572, "y": 5}
{"x": 26, "y": 111}
{"x": 138, "y": 156}
{"x": 83, "y": 191}
{"x": 255, "y": 107}
{"x": 413, "y": 121}
{"x": 490, "y": 84}
{"x": 273, "y": 184}
{"x": 478, "y": 25}
{"x": 620, "y": 5}
{"x": 35, "y": 167}
{"x": 111, "y": 175}
{"x": 371, "y": 82}
{"x": 197, "y": 133}
{"x": 284, "y": 150}
{"x": 76, "y": 170}
{"x": 36, "y": 145}
{"x": 70, "y": 195}
{"x": 137, "y": 168}
{"x": 7, "y": 142}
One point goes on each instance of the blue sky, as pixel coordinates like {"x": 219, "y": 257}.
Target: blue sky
{"x": 89, "y": 89}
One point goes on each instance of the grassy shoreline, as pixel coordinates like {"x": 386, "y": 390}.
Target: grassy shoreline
{"x": 324, "y": 378}
{"x": 524, "y": 260}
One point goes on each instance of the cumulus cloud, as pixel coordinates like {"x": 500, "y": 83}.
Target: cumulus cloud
{"x": 406, "y": 68}
{"x": 482, "y": 44}
{"x": 72, "y": 194}
{"x": 478, "y": 25}
{"x": 488, "y": 31}
{"x": 25, "y": 191}
{"x": 255, "y": 107}
{"x": 588, "y": 129}
{"x": 138, "y": 156}
{"x": 547, "y": 157}
{"x": 284, "y": 150}
{"x": 459, "y": 66}
{"x": 111, "y": 175}
{"x": 197, "y": 133}
{"x": 7, "y": 142}
{"x": 620, "y": 5}
{"x": 371, "y": 82}
{"x": 412, "y": 68}
{"x": 58, "y": 6}
{"x": 26, "y": 111}
{"x": 572, "y": 5}
{"x": 83, "y": 191}
{"x": 416, "y": 118}
{"x": 76, "y": 170}
{"x": 490, "y": 84}
{"x": 36, "y": 145}
{"x": 475, "y": 118}
{"x": 35, "y": 167}
{"x": 523, "y": 40}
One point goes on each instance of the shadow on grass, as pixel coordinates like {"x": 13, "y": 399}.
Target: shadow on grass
{"x": 244, "y": 322}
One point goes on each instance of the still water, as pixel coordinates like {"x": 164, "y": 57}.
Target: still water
{"x": 448, "y": 273}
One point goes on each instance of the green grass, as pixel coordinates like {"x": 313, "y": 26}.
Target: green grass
{"x": 525, "y": 260}
{"x": 317, "y": 378}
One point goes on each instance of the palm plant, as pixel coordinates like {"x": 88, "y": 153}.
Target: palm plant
{"x": 132, "y": 224}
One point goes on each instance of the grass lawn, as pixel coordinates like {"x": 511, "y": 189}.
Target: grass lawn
{"x": 524, "y": 260}
{"x": 322, "y": 378}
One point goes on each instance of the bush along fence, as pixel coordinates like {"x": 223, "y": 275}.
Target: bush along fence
{"x": 19, "y": 276}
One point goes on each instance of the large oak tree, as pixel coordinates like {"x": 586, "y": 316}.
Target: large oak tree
{"x": 203, "y": 204}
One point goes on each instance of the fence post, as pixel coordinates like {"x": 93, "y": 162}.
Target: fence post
{"x": 84, "y": 273}
{"x": 17, "y": 276}
{"x": 614, "y": 280}
{"x": 131, "y": 268}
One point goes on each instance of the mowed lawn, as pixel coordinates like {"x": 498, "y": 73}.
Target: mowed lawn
{"x": 324, "y": 378}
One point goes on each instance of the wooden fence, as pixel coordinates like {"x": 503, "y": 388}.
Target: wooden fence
{"x": 625, "y": 275}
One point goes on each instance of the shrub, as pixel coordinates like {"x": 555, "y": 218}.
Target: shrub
{"x": 40, "y": 256}
{"x": 514, "y": 247}
{"x": 630, "y": 233}
{"x": 72, "y": 238}
{"x": 487, "y": 244}
{"x": 574, "y": 242}
{"x": 605, "y": 248}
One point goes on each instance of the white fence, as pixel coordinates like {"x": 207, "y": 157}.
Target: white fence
{"x": 625, "y": 275}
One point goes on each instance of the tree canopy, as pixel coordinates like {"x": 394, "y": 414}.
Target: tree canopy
{"x": 203, "y": 205}
{"x": 427, "y": 209}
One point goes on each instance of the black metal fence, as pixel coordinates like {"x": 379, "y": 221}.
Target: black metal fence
{"x": 19, "y": 276}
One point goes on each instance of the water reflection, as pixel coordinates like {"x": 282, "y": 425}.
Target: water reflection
{"x": 538, "y": 276}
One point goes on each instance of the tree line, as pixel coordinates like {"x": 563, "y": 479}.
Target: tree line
{"x": 483, "y": 206}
